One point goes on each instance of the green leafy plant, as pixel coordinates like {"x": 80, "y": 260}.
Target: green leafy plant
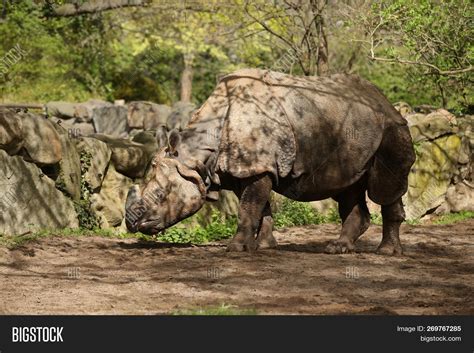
{"x": 87, "y": 218}
{"x": 294, "y": 213}
{"x": 217, "y": 229}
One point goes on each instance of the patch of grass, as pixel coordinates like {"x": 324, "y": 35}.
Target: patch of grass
{"x": 412, "y": 222}
{"x": 454, "y": 217}
{"x": 222, "y": 310}
{"x": 219, "y": 228}
{"x": 333, "y": 216}
{"x": 376, "y": 218}
{"x": 293, "y": 213}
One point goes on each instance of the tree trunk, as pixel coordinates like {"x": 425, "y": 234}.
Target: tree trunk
{"x": 187, "y": 79}
{"x": 322, "y": 63}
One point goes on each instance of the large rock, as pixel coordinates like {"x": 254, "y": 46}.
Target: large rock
{"x": 415, "y": 118}
{"x": 42, "y": 143}
{"x": 438, "y": 123}
{"x": 129, "y": 158}
{"x": 466, "y": 165}
{"x": 109, "y": 204}
{"x": 84, "y": 112}
{"x": 111, "y": 121}
{"x": 69, "y": 178}
{"x": 11, "y": 131}
{"x": 63, "y": 110}
{"x": 147, "y": 115}
{"x": 30, "y": 200}
{"x": 431, "y": 174}
{"x": 146, "y": 138}
{"x": 460, "y": 197}
{"x": 82, "y": 129}
{"x": 95, "y": 156}
{"x": 403, "y": 108}
{"x": 324, "y": 207}
{"x": 75, "y": 129}
{"x": 180, "y": 115}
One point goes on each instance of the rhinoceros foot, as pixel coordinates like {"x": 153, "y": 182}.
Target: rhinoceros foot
{"x": 340, "y": 246}
{"x": 267, "y": 242}
{"x": 389, "y": 248}
{"x": 238, "y": 244}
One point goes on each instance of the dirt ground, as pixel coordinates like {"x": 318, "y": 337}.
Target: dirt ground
{"x": 85, "y": 275}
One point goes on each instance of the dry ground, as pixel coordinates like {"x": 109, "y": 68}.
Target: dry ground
{"x": 85, "y": 275}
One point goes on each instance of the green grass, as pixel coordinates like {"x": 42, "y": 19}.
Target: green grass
{"x": 454, "y": 217}
{"x": 222, "y": 310}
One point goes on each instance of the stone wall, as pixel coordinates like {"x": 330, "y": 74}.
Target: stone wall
{"x": 73, "y": 166}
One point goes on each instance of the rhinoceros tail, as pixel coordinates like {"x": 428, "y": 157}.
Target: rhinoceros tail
{"x": 388, "y": 175}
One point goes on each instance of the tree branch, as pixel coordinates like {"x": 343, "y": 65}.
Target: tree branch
{"x": 94, "y": 6}
{"x": 410, "y": 62}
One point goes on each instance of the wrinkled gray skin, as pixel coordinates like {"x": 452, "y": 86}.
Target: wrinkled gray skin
{"x": 307, "y": 138}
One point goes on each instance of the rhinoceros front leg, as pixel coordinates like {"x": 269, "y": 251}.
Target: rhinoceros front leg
{"x": 254, "y": 196}
{"x": 265, "y": 238}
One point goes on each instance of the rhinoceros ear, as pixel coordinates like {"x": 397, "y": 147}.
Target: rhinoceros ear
{"x": 192, "y": 175}
{"x": 173, "y": 141}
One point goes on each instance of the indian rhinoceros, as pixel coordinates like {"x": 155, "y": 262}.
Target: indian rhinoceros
{"x": 307, "y": 138}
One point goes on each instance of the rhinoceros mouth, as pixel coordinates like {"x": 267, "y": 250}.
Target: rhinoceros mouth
{"x": 150, "y": 227}
{"x": 154, "y": 226}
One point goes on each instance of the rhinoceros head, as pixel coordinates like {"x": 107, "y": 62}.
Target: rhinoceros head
{"x": 171, "y": 193}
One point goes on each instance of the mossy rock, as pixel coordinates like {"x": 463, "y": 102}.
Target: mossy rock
{"x": 431, "y": 175}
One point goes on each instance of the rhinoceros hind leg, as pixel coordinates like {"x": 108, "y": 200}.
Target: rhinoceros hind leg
{"x": 355, "y": 218}
{"x": 265, "y": 238}
{"x": 393, "y": 215}
{"x": 254, "y": 196}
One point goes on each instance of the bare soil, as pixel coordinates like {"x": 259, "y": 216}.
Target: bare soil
{"x": 95, "y": 275}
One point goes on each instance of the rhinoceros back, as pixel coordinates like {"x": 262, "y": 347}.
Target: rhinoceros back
{"x": 257, "y": 136}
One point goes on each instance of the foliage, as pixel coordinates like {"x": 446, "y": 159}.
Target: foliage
{"x": 376, "y": 218}
{"x": 434, "y": 39}
{"x": 454, "y": 217}
{"x": 217, "y": 229}
{"x": 299, "y": 27}
{"x": 45, "y": 73}
{"x": 293, "y": 213}
{"x": 138, "y": 54}
{"x": 85, "y": 215}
